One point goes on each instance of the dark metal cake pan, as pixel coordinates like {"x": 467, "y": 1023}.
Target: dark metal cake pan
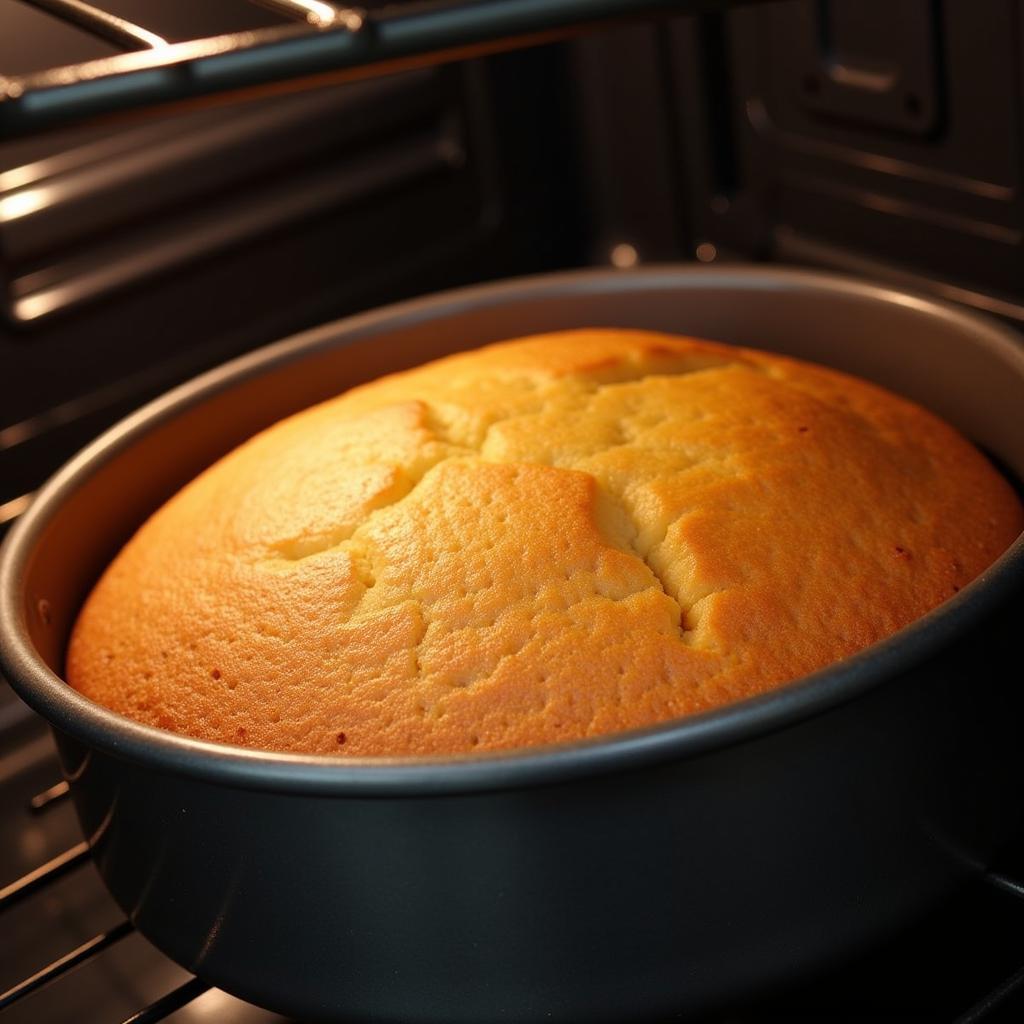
{"x": 647, "y": 874}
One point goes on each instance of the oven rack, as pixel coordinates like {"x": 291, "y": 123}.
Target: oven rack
{"x": 50, "y": 872}
{"x": 317, "y": 41}
{"x": 990, "y": 1008}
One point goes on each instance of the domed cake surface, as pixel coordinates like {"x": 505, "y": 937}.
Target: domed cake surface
{"x": 542, "y": 540}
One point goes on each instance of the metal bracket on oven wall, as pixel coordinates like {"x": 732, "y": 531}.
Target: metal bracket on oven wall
{"x": 321, "y": 42}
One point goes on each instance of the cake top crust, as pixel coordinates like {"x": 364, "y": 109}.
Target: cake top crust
{"x": 541, "y": 540}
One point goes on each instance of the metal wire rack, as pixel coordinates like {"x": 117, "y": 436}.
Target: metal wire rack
{"x": 316, "y": 41}
{"x": 45, "y": 875}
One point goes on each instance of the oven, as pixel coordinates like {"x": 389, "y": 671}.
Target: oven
{"x": 170, "y": 197}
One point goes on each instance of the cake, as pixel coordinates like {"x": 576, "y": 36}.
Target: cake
{"x": 539, "y": 541}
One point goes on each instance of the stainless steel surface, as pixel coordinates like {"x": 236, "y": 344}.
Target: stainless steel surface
{"x": 63, "y": 964}
{"x": 317, "y": 12}
{"x": 100, "y": 217}
{"x": 79, "y": 280}
{"x": 64, "y": 862}
{"x": 10, "y": 510}
{"x": 168, "y": 1004}
{"x": 49, "y": 796}
{"x": 342, "y": 44}
{"x": 101, "y": 23}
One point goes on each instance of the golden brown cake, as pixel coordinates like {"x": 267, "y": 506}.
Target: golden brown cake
{"x": 541, "y": 540}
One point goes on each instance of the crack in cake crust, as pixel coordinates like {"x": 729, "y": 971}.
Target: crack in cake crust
{"x": 457, "y": 444}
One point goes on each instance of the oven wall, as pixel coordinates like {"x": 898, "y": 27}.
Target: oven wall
{"x": 878, "y": 137}
{"x": 144, "y": 253}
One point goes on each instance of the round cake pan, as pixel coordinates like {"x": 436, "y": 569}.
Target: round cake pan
{"x": 642, "y": 875}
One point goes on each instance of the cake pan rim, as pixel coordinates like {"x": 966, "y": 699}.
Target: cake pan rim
{"x": 98, "y": 727}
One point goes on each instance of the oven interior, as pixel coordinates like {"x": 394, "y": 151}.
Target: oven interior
{"x": 164, "y": 233}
